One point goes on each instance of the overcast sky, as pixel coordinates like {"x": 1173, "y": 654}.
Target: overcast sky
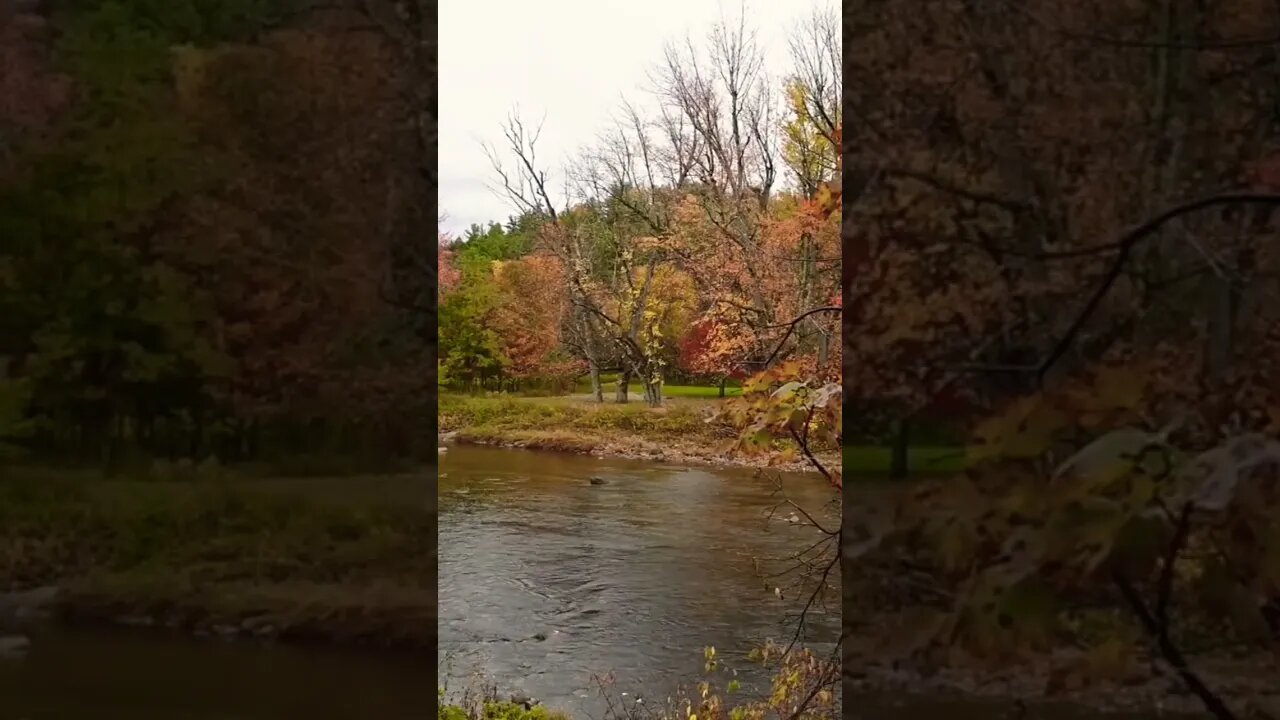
{"x": 572, "y": 60}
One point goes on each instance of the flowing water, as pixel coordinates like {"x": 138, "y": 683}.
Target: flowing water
{"x": 137, "y": 675}
{"x": 547, "y": 579}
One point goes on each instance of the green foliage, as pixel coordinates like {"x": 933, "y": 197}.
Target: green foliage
{"x": 148, "y": 254}
{"x": 493, "y": 243}
{"x": 508, "y": 414}
{"x": 875, "y": 460}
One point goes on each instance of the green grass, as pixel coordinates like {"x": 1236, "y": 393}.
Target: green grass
{"x": 876, "y": 460}
{"x": 732, "y": 389}
{"x": 699, "y": 391}
{"x": 495, "y": 416}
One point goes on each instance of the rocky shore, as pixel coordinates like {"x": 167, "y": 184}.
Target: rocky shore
{"x": 216, "y": 560}
{"x": 633, "y": 448}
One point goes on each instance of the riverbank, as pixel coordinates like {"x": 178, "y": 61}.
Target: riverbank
{"x": 219, "y": 558}
{"x": 1140, "y": 686}
{"x": 677, "y": 433}
{"x": 1111, "y": 669}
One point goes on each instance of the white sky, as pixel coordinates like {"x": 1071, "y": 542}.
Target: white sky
{"x": 572, "y": 60}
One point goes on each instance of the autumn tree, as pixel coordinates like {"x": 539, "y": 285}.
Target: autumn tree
{"x": 204, "y": 238}
{"x": 1036, "y": 194}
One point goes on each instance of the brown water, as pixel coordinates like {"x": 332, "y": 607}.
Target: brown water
{"x": 634, "y": 577}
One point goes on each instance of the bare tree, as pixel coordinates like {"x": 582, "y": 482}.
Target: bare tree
{"x": 816, "y": 52}
{"x": 723, "y": 96}
{"x": 609, "y": 302}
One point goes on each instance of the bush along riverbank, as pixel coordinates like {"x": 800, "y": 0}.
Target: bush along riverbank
{"x": 804, "y": 686}
{"x": 219, "y": 558}
{"x": 678, "y": 432}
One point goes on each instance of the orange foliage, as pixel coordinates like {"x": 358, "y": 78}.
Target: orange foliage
{"x": 529, "y": 314}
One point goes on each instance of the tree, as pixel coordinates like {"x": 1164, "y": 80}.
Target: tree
{"x": 1059, "y": 211}
{"x": 529, "y": 315}
{"x": 446, "y": 269}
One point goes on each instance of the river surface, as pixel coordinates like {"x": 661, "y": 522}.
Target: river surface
{"x": 547, "y": 579}
{"x": 130, "y": 674}
{"x": 634, "y": 576}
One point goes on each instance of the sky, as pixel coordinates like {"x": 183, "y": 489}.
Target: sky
{"x": 571, "y": 62}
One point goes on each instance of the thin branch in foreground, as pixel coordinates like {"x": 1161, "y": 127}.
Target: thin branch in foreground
{"x": 1170, "y": 651}
{"x": 1125, "y": 247}
{"x": 791, "y": 327}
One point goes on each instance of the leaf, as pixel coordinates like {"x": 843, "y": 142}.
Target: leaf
{"x": 1025, "y": 430}
{"x": 1212, "y": 478}
{"x": 1107, "y": 453}
{"x": 1108, "y": 660}
{"x": 1246, "y": 615}
{"x": 787, "y": 391}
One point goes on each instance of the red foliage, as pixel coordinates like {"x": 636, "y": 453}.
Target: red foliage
{"x": 448, "y": 274}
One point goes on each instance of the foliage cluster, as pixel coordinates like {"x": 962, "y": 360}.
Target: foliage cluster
{"x": 687, "y": 240}
{"x": 197, "y": 235}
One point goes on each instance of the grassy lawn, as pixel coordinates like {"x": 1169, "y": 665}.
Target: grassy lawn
{"x": 699, "y": 391}
{"x": 507, "y": 414}
{"x": 732, "y": 389}
{"x": 875, "y": 459}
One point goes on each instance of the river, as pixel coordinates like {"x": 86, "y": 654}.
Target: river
{"x": 547, "y": 579}
{"x": 544, "y": 579}
{"x": 131, "y": 674}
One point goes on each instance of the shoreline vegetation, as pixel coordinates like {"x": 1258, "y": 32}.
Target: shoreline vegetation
{"x": 675, "y": 433}
{"x": 223, "y": 557}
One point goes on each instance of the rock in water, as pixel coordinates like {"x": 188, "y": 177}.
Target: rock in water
{"x": 13, "y": 646}
{"x": 597, "y": 481}
{"x": 27, "y": 605}
{"x": 524, "y": 701}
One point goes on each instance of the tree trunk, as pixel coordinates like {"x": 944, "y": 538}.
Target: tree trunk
{"x": 723, "y": 380}
{"x": 901, "y": 442}
{"x": 653, "y": 392}
{"x": 624, "y": 379}
{"x": 597, "y": 390}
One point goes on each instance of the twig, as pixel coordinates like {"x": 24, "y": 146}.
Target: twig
{"x": 1165, "y": 588}
{"x": 791, "y": 327}
{"x": 1170, "y": 651}
{"x": 1125, "y": 246}
{"x": 835, "y": 482}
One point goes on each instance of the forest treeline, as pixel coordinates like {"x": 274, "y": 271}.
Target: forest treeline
{"x": 215, "y": 229}
{"x": 694, "y": 241}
